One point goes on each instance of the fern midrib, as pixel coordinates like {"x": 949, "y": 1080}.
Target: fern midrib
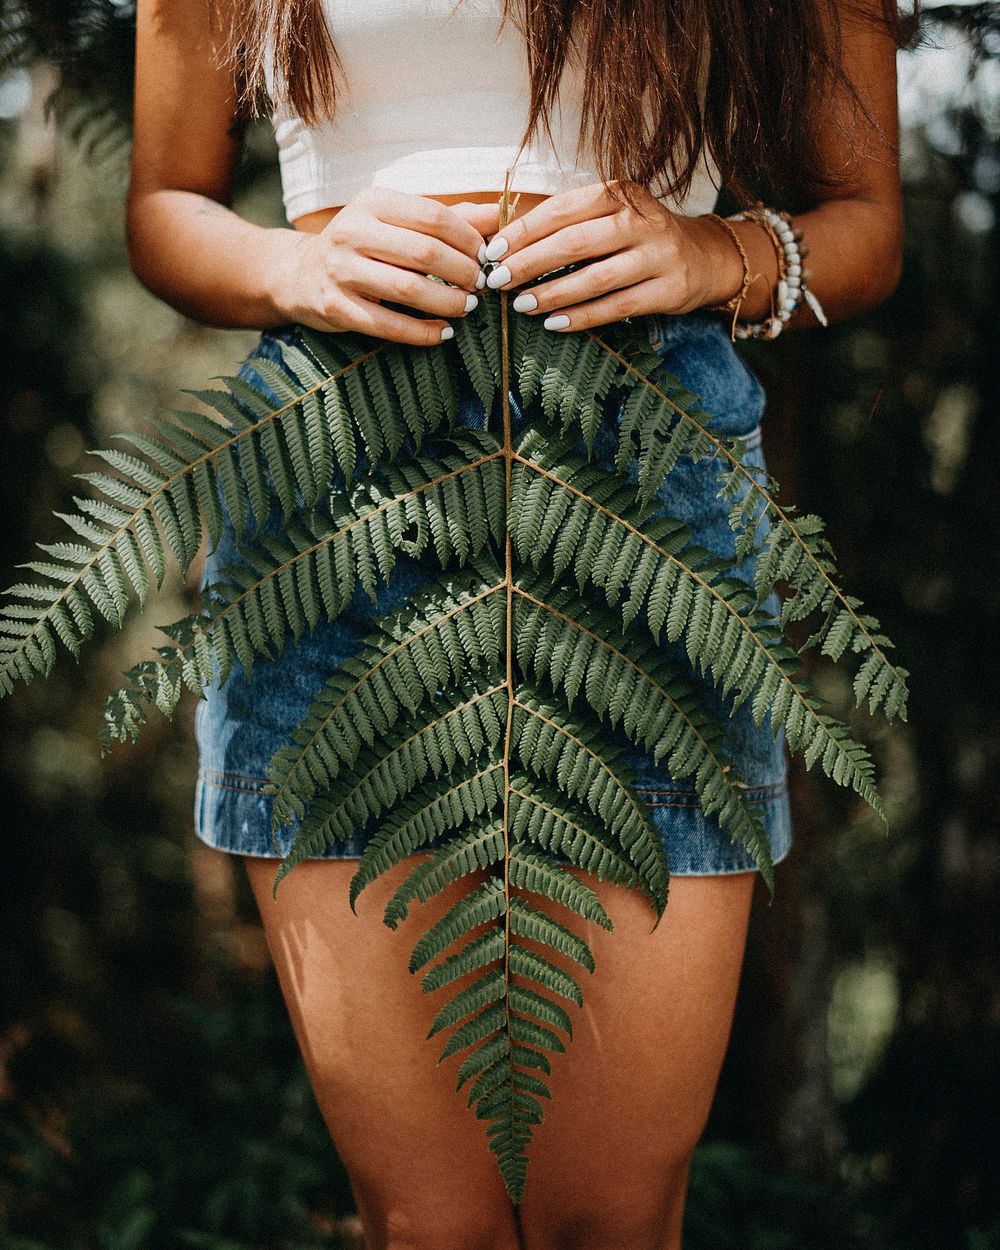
{"x": 771, "y": 504}
{"x": 400, "y": 647}
{"x": 508, "y": 459}
{"x": 171, "y": 481}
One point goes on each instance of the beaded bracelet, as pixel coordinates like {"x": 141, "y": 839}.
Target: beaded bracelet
{"x": 791, "y": 287}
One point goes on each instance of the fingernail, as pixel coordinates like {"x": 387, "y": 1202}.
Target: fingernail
{"x": 447, "y": 333}
{"x": 525, "y": 302}
{"x": 498, "y": 277}
{"x": 471, "y": 301}
{"x": 482, "y": 253}
{"x": 558, "y": 321}
{"x": 480, "y": 280}
{"x": 496, "y": 248}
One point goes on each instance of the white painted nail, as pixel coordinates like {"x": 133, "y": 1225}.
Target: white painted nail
{"x": 498, "y": 277}
{"x": 471, "y": 301}
{"x": 558, "y": 321}
{"x": 447, "y": 333}
{"x": 480, "y": 280}
{"x": 525, "y": 302}
{"x": 482, "y": 253}
{"x": 496, "y": 248}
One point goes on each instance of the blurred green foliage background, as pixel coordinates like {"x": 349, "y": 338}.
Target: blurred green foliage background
{"x": 151, "y": 1095}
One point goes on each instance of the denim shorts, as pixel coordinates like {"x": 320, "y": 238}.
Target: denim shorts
{"x": 242, "y": 723}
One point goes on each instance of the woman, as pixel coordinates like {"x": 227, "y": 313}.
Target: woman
{"x": 429, "y": 104}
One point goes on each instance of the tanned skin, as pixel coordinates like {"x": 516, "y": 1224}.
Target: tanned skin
{"x": 609, "y": 1165}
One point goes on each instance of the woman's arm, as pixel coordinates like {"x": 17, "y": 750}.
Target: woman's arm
{"x": 184, "y": 244}
{"x": 855, "y": 237}
{"x": 657, "y": 261}
{"x": 192, "y": 251}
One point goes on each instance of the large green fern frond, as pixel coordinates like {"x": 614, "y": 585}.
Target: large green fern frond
{"x": 479, "y": 736}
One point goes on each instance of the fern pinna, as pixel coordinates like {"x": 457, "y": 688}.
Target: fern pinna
{"x": 480, "y": 724}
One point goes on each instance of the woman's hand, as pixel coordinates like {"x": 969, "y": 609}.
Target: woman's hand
{"x": 648, "y": 261}
{"x": 381, "y": 246}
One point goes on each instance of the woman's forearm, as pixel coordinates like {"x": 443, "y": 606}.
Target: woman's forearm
{"x": 366, "y": 270}
{"x": 208, "y": 262}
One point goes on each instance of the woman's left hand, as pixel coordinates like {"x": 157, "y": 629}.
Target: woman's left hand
{"x": 648, "y": 261}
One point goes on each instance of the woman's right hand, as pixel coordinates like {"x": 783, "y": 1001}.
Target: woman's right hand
{"x": 381, "y": 246}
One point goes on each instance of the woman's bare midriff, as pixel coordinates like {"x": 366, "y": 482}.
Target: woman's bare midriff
{"x": 314, "y": 222}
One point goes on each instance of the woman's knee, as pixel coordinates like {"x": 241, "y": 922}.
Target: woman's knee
{"x": 650, "y": 1220}
{"x": 442, "y": 1230}
{"x": 603, "y": 1230}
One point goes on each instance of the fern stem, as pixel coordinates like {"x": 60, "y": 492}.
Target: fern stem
{"x": 770, "y": 503}
{"x": 508, "y": 457}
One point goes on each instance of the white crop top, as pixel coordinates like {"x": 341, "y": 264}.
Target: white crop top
{"x": 434, "y": 103}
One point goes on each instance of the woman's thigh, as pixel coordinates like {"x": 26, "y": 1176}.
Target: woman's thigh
{"x": 418, "y": 1161}
{"x": 630, "y": 1098}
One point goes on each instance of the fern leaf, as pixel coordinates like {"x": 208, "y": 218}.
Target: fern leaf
{"x": 309, "y": 573}
{"x": 414, "y": 825}
{"x": 527, "y": 921}
{"x": 475, "y": 909}
{"x": 462, "y": 727}
{"x": 483, "y": 991}
{"x": 480, "y": 846}
{"x": 536, "y": 872}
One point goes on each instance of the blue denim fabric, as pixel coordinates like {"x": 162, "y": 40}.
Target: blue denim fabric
{"x": 240, "y": 725}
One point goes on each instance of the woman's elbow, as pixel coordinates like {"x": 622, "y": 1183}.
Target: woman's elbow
{"x": 151, "y": 244}
{"x": 886, "y": 266}
{"x": 137, "y": 236}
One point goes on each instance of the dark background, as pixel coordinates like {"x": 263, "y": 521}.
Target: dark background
{"x": 150, "y": 1090}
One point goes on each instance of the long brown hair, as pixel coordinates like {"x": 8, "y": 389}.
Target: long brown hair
{"x": 769, "y": 66}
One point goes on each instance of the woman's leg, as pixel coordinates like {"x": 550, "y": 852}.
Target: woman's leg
{"x": 417, "y": 1158}
{"x": 630, "y": 1098}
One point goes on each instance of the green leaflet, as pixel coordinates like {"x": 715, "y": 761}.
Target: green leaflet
{"x": 476, "y": 736}
{"x": 164, "y": 498}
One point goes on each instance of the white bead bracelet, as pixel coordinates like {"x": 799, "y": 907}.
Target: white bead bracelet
{"x": 791, "y": 287}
